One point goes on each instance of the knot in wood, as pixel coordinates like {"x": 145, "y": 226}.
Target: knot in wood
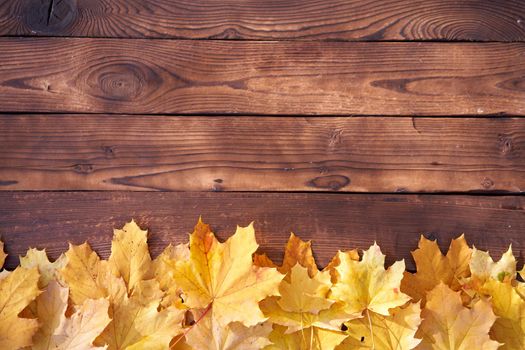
{"x": 330, "y": 182}
{"x": 120, "y": 80}
{"x": 50, "y": 16}
{"x": 505, "y": 144}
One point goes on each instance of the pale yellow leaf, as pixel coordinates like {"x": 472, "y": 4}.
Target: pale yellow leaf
{"x": 130, "y": 257}
{"x": 305, "y": 294}
{"x": 80, "y": 330}
{"x": 161, "y": 269}
{"x": 208, "y": 334}
{"x": 483, "y": 267}
{"x": 50, "y": 308}
{"x": 38, "y": 258}
{"x": 312, "y": 338}
{"x": 366, "y": 284}
{"x": 135, "y": 325}
{"x": 17, "y": 290}
{"x": 394, "y": 332}
{"x": 331, "y": 318}
{"x": 447, "y": 324}
{"x": 303, "y": 302}
{"x": 509, "y": 307}
{"x": 81, "y": 274}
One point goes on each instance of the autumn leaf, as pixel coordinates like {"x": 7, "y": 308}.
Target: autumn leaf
{"x": 225, "y": 296}
{"x": 130, "y": 257}
{"x": 392, "y": 332}
{"x": 303, "y": 303}
{"x": 80, "y": 330}
{"x": 509, "y": 307}
{"x": 433, "y": 267}
{"x": 447, "y": 324}
{"x": 17, "y": 290}
{"x": 135, "y": 326}
{"x": 312, "y": 338}
{"x": 50, "y": 306}
{"x": 366, "y": 285}
{"x": 207, "y": 334}
{"x": 137, "y": 321}
{"x": 161, "y": 269}
{"x": 47, "y": 269}
{"x": 84, "y": 273}
{"x": 222, "y": 277}
{"x": 483, "y": 267}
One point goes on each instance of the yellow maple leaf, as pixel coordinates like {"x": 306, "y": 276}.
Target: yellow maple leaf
{"x": 336, "y": 260}
{"x": 47, "y": 269}
{"x": 303, "y": 302}
{"x": 160, "y": 268}
{"x": 207, "y": 334}
{"x": 137, "y": 319}
{"x": 366, "y": 285}
{"x": 299, "y": 252}
{"x": 130, "y": 258}
{"x": 80, "y": 330}
{"x": 83, "y": 274}
{"x": 447, "y": 324}
{"x": 394, "y": 332}
{"x": 17, "y": 290}
{"x": 312, "y": 338}
{"x": 483, "y": 267}
{"x": 135, "y": 326}
{"x": 221, "y": 276}
{"x": 433, "y": 267}
{"x": 296, "y": 251}
{"x": 509, "y": 306}
{"x": 50, "y": 309}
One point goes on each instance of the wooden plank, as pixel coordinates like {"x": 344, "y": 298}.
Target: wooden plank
{"x": 274, "y": 19}
{"x": 166, "y": 153}
{"x": 333, "y": 221}
{"x": 239, "y": 77}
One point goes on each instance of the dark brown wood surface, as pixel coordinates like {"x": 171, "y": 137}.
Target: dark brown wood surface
{"x": 111, "y": 110}
{"x": 332, "y": 221}
{"x": 269, "y": 19}
{"x": 359, "y": 154}
{"x": 239, "y": 77}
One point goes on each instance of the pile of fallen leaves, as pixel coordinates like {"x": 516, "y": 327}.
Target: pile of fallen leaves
{"x": 212, "y": 295}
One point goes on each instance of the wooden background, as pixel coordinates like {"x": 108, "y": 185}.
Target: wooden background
{"x": 346, "y": 121}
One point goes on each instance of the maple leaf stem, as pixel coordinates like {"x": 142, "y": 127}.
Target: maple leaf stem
{"x": 370, "y": 327}
{"x": 208, "y": 308}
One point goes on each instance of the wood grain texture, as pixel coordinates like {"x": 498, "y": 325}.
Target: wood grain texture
{"x": 269, "y": 19}
{"x": 239, "y": 77}
{"x": 332, "y": 221}
{"x": 166, "y": 153}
